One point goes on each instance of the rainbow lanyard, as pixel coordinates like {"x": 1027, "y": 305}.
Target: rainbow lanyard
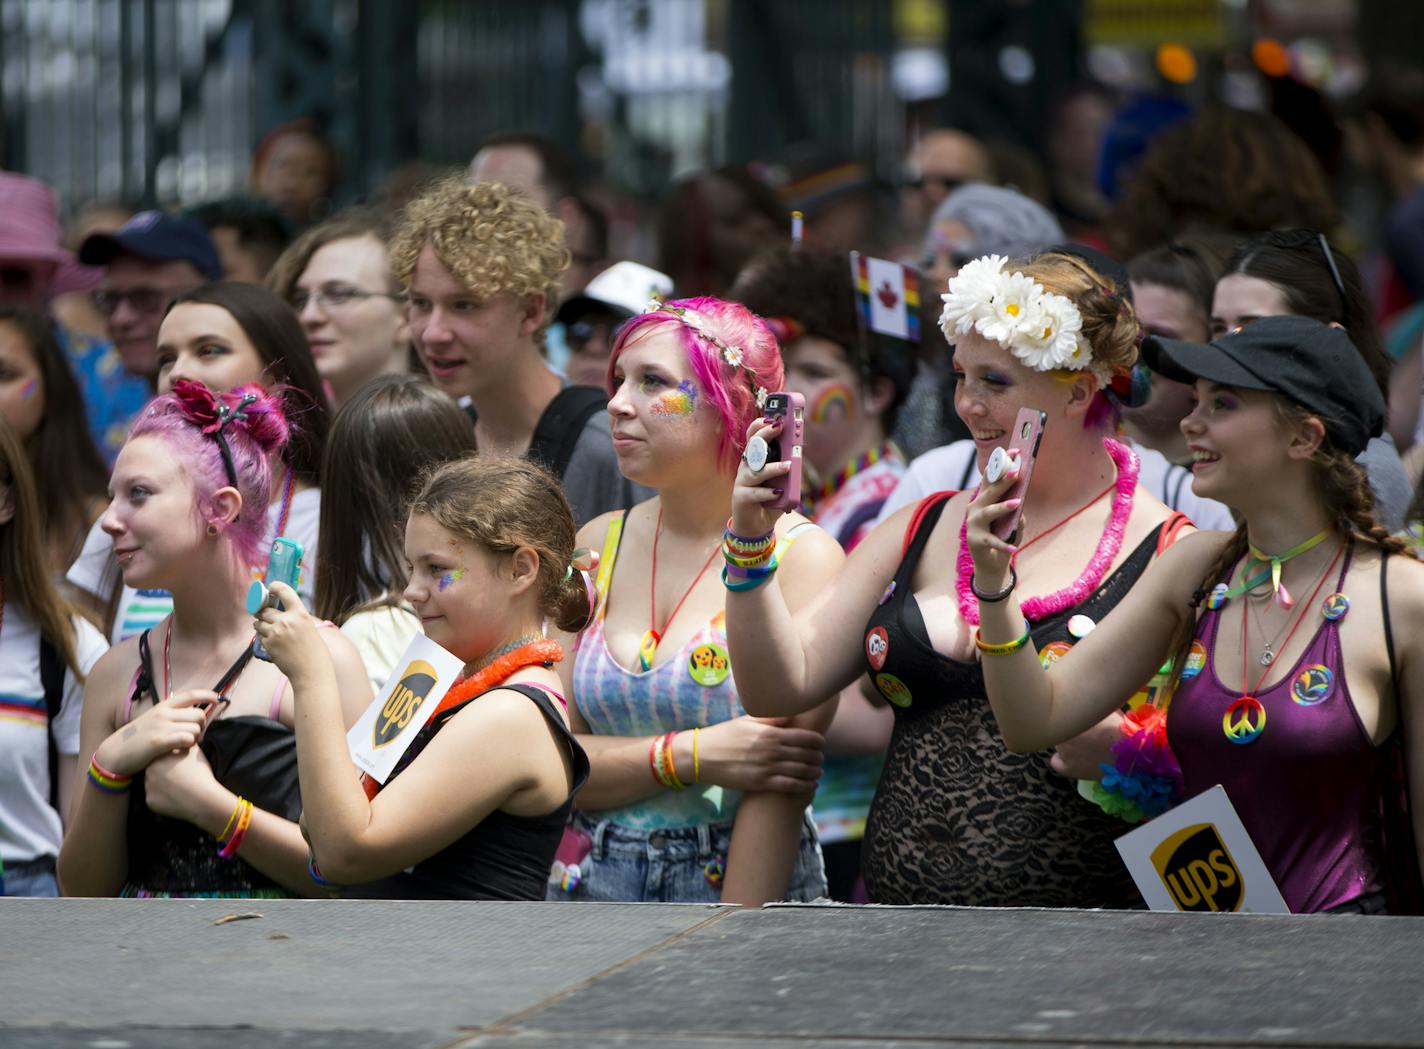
{"x": 1271, "y": 575}
{"x": 846, "y": 472}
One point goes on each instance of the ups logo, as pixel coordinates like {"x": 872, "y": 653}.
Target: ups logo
{"x": 405, "y": 699}
{"x": 1198, "y": 870}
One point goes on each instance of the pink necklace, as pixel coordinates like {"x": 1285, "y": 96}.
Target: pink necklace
{"x": 1035, "y": 608}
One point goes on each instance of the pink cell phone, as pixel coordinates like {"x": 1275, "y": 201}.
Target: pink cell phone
{"x": 1023, "y": 447}
{"x": 789, "y": 409}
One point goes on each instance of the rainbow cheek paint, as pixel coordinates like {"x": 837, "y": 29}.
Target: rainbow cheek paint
{"x": 449, "y": 578}
{"x": 29, "y": 389}
{"x": 833, "y": 402}
{"x": 679, "y": 403}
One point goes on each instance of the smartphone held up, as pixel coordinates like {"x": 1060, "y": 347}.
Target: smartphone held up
{"x": 284, "y": 565}
{"x": 1020, "y": 453}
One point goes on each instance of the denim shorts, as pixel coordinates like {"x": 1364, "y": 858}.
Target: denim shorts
{"x": 31, "y": 878}
{"x": 676, "y": 865}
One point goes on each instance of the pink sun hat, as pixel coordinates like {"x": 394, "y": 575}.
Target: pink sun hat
{"x": 30, "y": 232}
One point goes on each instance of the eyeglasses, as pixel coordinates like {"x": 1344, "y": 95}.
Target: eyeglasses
{"x": 140, "y": 300}
{"x": 948, "y": 183}
{"x": 337, "y": 296}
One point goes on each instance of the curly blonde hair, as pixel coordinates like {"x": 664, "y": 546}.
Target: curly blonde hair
{"x": 490, "y": 238}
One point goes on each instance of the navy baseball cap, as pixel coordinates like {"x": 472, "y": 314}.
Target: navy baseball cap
{"x": 157, "y": 237}
{"x": 1315, "y": 365}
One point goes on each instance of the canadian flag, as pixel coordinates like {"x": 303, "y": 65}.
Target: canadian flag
{"x": 889, "y": 296}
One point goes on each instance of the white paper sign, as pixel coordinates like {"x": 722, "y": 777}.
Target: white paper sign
{"x": 1198, "y": 857}
{"x": 400, "y": 710}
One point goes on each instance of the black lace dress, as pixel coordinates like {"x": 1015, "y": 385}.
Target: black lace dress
{"x": 957, "y": 818}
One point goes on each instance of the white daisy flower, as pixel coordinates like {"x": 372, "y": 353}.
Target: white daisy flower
{"x": 1013, "y": 307}
{"x": 732, "y": 355}
{"x": 971, "y": 291}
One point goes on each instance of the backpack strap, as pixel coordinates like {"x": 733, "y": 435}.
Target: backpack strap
{"x": 1171, "y": 530}
{"x": 562, "y": 424}
{"x": 927, "y": 504}
{"x": 52, "y": 670}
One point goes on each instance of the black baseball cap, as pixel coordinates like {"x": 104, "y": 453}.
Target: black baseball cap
{"x": 1313, "y": 364}
{"x": 157, "y": 237}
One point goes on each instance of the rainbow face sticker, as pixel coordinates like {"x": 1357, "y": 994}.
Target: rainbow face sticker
{"x": 1313, "y": 685}
{"x": 679, "y": 403}
{"x": 833, "y": 402}
{"x": 449, "y": 579}
{"x": 1244, "y": 720}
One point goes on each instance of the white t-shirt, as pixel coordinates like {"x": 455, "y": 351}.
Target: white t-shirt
{"x": 953, "y": 467}
{"x": 29, "y": 827}
{"x": 381, "y": 635}
{"x": 140, "y": 610}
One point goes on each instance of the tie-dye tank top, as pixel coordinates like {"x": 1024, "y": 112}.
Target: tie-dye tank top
{"x": 616, "y": 701}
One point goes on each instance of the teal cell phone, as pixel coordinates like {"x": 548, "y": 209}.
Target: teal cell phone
{"x": 284, "y": 565}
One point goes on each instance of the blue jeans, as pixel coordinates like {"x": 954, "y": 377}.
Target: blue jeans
{"x": 31, "y": 878}
{"x": 677, "y": 865}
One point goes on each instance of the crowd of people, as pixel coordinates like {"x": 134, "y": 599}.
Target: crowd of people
{"x": 685, "y": 679}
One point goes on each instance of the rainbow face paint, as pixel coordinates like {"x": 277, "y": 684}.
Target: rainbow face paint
{"x": 679, "y": 403}
{"x": 833, "y": 402}
{"x": 449, "y": 578}
{"x": 29, "y": 389}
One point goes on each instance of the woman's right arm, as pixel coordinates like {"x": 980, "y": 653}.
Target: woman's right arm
{"x": 93, "y": 861}
{"x": 796, "y": 662}
{"x": 1035, "y": 710}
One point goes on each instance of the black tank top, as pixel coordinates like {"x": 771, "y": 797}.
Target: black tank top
{"x": 255, "y": 758}
{"x": 957, "y": 818}
{"x": 503, "y": 857}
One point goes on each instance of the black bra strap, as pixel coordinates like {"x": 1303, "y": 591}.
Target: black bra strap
{"x": 145, "y": 680}
{"x": 1388, "y": 631}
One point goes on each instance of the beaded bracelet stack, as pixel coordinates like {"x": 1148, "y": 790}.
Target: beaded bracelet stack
{"x": 108, "y": 782}
{"x": 750, "y": 561}
{"x": 230, "y": 840}
{"x": 664, "y": 770}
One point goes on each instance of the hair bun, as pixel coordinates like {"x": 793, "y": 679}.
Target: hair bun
{"x": 248, "y": 409}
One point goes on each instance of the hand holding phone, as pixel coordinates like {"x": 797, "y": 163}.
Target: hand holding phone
{"x": 1022, "y": 451}
{"x": 789, "y": 409}
{"x": 284, "y": 565}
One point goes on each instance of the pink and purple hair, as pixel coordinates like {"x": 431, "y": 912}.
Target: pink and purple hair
{"x": 190, "y": 418}
{"x": 732, "y": 390}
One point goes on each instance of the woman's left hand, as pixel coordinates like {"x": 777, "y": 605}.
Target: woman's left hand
{"x": 289, "y": 633}
{"x": 182, "y": 786}
{"x": 1083, "y": 757}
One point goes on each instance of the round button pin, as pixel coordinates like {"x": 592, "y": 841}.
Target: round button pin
{"x": 1080, "y": 626}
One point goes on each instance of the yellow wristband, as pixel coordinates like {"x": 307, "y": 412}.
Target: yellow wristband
{"x": 1001, "y": 650}
{"x": 696, "y": 766}
{"x": 231, "y": 822}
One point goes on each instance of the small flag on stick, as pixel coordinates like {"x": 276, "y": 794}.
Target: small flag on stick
{"x": 888, "y": 295}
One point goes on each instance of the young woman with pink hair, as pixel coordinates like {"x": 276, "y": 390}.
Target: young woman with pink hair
{"x": 191, "y": 787}
{"x": 688, "y": 799}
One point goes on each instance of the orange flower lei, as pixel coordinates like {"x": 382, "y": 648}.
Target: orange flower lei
{"x": 543, "y": 652}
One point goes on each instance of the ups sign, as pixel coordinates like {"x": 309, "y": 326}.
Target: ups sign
{"x": 1198, "y": 870}
{"x": 405, "y": 699}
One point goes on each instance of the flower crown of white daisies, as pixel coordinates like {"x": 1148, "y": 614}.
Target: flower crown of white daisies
{"x": 1042, "y": 329}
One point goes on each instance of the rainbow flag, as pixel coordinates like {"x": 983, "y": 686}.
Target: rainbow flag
{"x": 888, "y": 295}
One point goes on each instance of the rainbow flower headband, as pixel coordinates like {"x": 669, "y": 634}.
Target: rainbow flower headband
{"x": 731, "y": 354}
{"x": 1042, "y": 329}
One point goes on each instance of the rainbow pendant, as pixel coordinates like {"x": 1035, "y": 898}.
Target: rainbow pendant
{"x": 648, "y": 649}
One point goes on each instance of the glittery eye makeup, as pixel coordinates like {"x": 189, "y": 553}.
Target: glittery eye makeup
{"x": 449, "y": 578}
{"x": 679, "y": 403}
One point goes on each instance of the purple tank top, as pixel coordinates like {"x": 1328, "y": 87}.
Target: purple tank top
{"x": 1309, "y": 787}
